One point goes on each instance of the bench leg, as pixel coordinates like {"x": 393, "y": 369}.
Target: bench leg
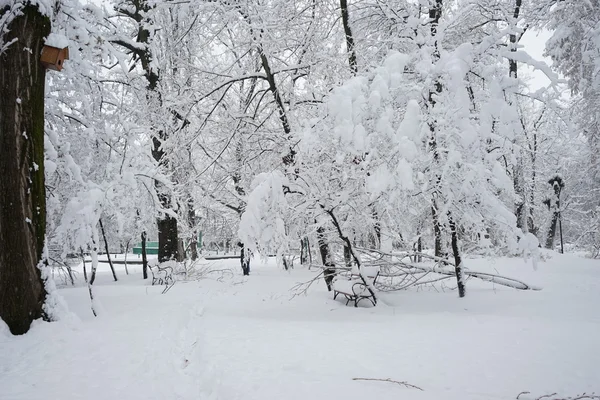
{"x": 335, "y": 294}
{"x": 348, "y": 299}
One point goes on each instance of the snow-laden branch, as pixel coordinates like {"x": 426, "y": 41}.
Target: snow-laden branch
{"x": 408, "y": 269}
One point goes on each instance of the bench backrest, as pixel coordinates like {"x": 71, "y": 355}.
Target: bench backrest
{"x": 370, "y": 272}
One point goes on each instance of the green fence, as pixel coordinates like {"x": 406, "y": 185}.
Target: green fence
{"x": 152, "y": 247}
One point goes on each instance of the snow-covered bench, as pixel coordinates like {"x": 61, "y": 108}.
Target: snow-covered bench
{"x": 161, "y": 275}
{"x": 353, "y": 287}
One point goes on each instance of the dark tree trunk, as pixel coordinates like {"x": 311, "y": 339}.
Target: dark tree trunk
{"x": 347, "y": 257}
{"x": 348, "y": 244}
{"x": 376, "y": 228}
{"x": 144, "y": 258}
{"x": 437, "y": 231}
{"x": 552, "y": 231}
{"x": 167, "y": 225}
{"x": 192, "y": 221}
{"x": 180, "y": 250}
{"x": 112, "y": 267}
{"x": 557, "y": 185}
{"x": 22, "y": 190}
{"x": 518, "y": 170}
{"x": 349, "y": 37}
{"x": 435, "y": 14}
{"x": 560, "y": 232}
{"x": 419, "y": 257}
{"x": 460, "y": 278}
{"x": 328, "y": 264}
{"x": 94, "y": 253}
{"x": 85, "y": 277}
{"x": 244, "y": 260}
{"x": 305, "y": 256}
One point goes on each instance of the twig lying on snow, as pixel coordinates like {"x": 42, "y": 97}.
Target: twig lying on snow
{"x": 405, "y": 384}
{"x": 582, "y": 396}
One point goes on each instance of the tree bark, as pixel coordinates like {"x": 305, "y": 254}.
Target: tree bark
{"x": 112, "y": 267}
{"x": 435, "y": 14}
{"x": 144, "y": 258}
{"x": 460, "y": 278}
{"x": 521, "y": 210}
{"x": 192, "y": 221}
{"x": 329, "y": 266}
{"x": 22, "y": 190}
{"x": 167, "y": 225}
{"x": 349, "y": 37}
{"x": 125, "y": 259}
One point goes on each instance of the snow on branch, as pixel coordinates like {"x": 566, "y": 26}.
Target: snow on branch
{"x": 399, "y": 269}
{"x": 262, "y": 228}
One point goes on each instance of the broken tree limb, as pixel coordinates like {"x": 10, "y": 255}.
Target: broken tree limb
{"x": 439, "y": 269}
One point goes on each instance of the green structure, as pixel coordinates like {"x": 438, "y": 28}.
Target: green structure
{"x": 152, "y": 247}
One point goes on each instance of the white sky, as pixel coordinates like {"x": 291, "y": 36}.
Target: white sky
{"x": 533, "y": 42}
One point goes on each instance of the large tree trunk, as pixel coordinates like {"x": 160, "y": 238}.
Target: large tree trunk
{"x": 22, "y": 190}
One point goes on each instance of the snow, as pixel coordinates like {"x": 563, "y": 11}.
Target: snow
{"x": 250, "y": 338}
{"x": 57, "y": 40}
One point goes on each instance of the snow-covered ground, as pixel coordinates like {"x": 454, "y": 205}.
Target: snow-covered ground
{"x": 249, "y": 338}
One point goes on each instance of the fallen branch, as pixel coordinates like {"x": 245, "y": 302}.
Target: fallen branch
{"x": 439, "y": 269}
{"x": 582, "y": 396}
{"x": 302, "y": 287}
{"x": 405, "y": 384}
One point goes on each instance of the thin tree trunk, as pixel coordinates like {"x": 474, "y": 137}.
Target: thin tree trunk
{"x": 94, "y": 254}
{"x": 458, "y": 268}
{"x": 562, "y": 245}
{"x": 71, "y": 277}
{"x": 125, "y": 260}
{"x": 521, "y": 211}
{"x": 84, "y": 267}
{"x": 302, "y": 252}
{"x": 355, "y": 258}
{"x": 112, "y": 267}
{"x": 22, "y": 190}
{"x": 193, "y": 223}
{"x": 437, "y": 231}
{"x": 144, "y": 258}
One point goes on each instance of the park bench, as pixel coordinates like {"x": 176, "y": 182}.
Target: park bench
{"x": 353, "y": 288}
{"x": 161, "y": 275}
